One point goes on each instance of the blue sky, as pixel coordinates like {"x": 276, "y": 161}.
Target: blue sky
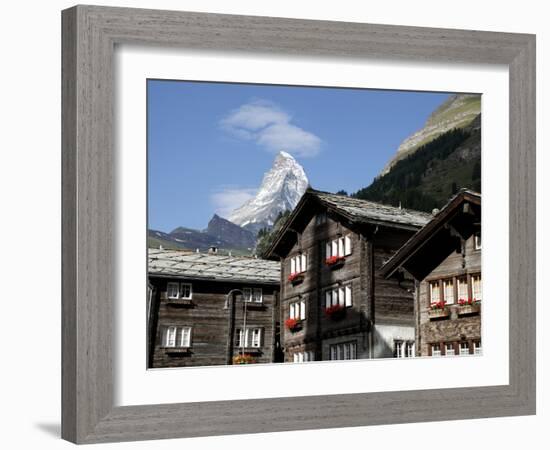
{"x": 209, "y": 144}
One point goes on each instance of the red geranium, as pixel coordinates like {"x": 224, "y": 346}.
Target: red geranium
{"x": 334, "y": 309}
{"x": 292, "y": 324}
{"x": 294, "y": 276}
{"x": 437, "y": 305}
{"x": 333, "y": 260}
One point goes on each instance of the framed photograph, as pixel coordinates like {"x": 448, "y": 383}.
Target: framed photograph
{"x": 276, "y": 224}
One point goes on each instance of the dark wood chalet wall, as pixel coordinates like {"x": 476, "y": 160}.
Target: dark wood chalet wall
{"x": 456, "y": 327}
{"x": 388, "y": 302}
{"x": 209, "y": 321}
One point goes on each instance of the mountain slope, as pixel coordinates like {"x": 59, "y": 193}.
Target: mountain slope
{"x": 426, "y": 178}
{"x": 457, "y": 111}
{"x": 281, "y": 189}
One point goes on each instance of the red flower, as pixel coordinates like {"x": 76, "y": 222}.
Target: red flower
{"x": 294, "y": 275}
{"x": 437, "y": 305}
{"x": 292, "y": 324}
{"x": 334, "y": 309}
{"x": 333, "y": 260}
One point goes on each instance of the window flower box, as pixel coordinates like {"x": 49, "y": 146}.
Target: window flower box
{"x": 438, "y": 310}
{"x": 296, "y": 278}
{"x": 244, "y": 359}
{"x": 181, "y": 302}
{"x": 335, "y": 312}
{"x": 467, "y": 307}
{"x": 177, "y": 351}
{"x": 293, "y": 325}
{"x": 335, "y": 262}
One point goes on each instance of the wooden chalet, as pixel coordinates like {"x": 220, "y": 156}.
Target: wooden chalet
{"x": 334, "y": 302}
{"x": 209, "y": 309}
{"x": 444, "y": 257}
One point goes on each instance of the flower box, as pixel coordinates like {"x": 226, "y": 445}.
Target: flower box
{"x": 293, "y": 325}
{"x": 296, "y": 278}
{"x": 438, "y": 310}
{"x": 335, "y": 312}
{"x": 244, "y": 359}
{"x": 335, "y": 262}
{"x": 466, "y": 309}
{"x": 181, "y": 302}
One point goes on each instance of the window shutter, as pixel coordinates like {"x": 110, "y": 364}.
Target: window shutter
{"x": 328, "y": 298}
{"x": 341, "y": 296}
{"x": 341, "y": 251}
{"x": 292, "y": 265}
{"x": 347, "y": 246}
{"x": 291, "y": 311}
{"x": 302, "y": 310}
{"x": 304, "y": 262}
{"x": 348, "y": 296}
{"x": 334, "y": 248}
{"x": 328, "y": 253}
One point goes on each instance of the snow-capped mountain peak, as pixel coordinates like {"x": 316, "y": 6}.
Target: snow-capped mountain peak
{"x": 281, "y": 189}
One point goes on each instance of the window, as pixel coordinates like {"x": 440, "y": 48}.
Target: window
{"x": 477, "y": 347}
{"x": 398, "y": 349}
{"x": 179, "y": 290}
{"x": 252, "y": 295}
{"x": 434, "y": 292}
{"x": 449, "y": 349}
{"x": 436, "y": 350}
{"x": 464, "y": 348}
{"x": 347, "y": 350}
{"x": 321, "y": 218}
{"x": 338, "y": 296}
{"x": 476, "y": 287}
{"x": 252, "y": 337}
{"x": 403, "y": 349}
{"x": 298, "y": 263}
{"x": 477, "y": 241}
{"x": 462, "y": 288}
{"x": 300, "y": 357}
{"x": 448, "y": 292}
{"x": 177, "y": 336}
{"x": 297, "y": 310}
{"x": 338, "y": 247}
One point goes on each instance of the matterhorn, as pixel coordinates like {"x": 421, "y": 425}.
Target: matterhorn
{"x": 281, "y": 189}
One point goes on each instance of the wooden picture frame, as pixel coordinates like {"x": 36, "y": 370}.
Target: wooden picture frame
{"x": 90, "y": 34}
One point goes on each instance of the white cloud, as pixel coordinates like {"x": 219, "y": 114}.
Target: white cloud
{"x": 270, "y": 127}
{"x": 228, "y": 198}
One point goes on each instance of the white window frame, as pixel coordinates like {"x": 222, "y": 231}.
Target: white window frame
{"x": 343, "y": 351}
{"x": 170, "y": 286}
{"x": 185, "y": 337}
{"x": 477, "y": 348}
{"x": 477, "y": 286}
{"x": 464, "y": 349}
{"x": 398, "y": 346}
{"x": 339, "y": 295}
{"x": 452, "y": 349}
{"x": 250, "y": 338}
{"x": 448, "y": 291}
{"x": 255, "y": 297}
{"x": 434, "y": 286}
{"x": 256, "y": 338}
{"x": 477, "y": 241}
{"x": 409, "y": 349}
{"x": 181, "y": 290}
{"x": 436, "y": 350}
{"x": 170, "y": 339}
{"x": 297, "y": 310}
{"x": 462, "y": 288}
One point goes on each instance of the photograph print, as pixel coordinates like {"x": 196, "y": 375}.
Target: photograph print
{"x": 294, "y": 224}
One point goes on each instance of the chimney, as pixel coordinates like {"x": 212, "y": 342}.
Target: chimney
{"x": 213, "y": 250}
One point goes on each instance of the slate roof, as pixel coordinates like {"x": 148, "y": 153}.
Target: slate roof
{"x": 205, "y": 266}
{"x": 372, "y": 212}
{"x": 427, "y": 232}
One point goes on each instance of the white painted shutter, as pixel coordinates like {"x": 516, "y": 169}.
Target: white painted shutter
{"x": 185, "y": 337}
{"x": 302, "y": 310}
{"x": 341, "y": 296}
{"x": 341, "y": 247}
{"x": 347, "y": 246}
{"x": 328, "y": 253}
{"x": 291, "y": 312}
{"x": 334, "y": 248}
{"x": 304, "y": 263}
{"x": 171, "y": 337}
{"x": 348, "y": 296}
{"x": 328, "y": 298}
{"x": 292, "y": 265}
